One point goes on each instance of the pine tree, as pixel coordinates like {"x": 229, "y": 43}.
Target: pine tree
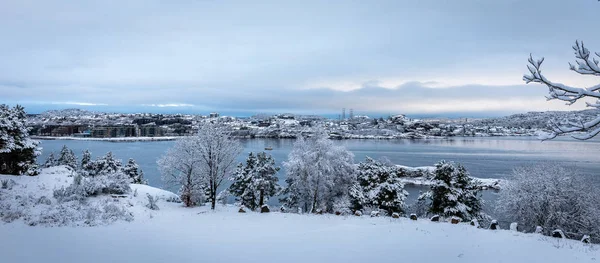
{"x": 133, "y": 171}
{"x": 17, "y": 151}
{"x": 86, "y": 158}
{"x": 50, "y": 161}
{"x": 454, "y": 192}
{"x": 265, "y": 179}
{"x": 105, "y": 165}
{"x": 67, "y": 157}
{"x": 378, "y": 185}
{"x": 242, "y": 180}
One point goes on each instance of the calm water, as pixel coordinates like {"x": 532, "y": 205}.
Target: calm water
{"x": 483, "y": 157}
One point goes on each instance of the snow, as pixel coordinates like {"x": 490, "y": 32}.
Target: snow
{"x": 178, "y": 234}
{"x": 110, "y": 139}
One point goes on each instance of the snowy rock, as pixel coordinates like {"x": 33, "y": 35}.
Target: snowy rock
{"x": 242, "y": 209}
{"x": 319, "y": 212}
{"x": 558, "y": 233}
{"x": 413, "y": 216}
{"x": 475, "y": 223}
{"x": 282, "y": 209}
{"x": 337, "y": 213}
{"x": 514, "y": 226}
{"x": 539, "y": 229}
{"x": 265, "y": 209}
{"x": 435, "y": 218}
{"x": 586, "y": 239}
{"x": 375, "y": 213}
{"x": 455, "y": 220}
{"x": 395, "y": 215}
{"x": 357, "y": 213}
{"x": 494, "y": 225}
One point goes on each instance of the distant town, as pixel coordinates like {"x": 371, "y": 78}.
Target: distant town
{"x": 81, "y": 124}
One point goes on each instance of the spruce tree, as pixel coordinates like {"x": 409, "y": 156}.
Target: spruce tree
{"x": 67, "y": 157}
{"x": 50, "y": 161}
{"x": 242, "y": 179}
{"x": 454, "y": 192}
{"x": 105, "y": 165}
{"x": 378, "y": 185}
{"x": 133, "y": 171}
{"x": 18, "y": 152}
{"x": 265, "y": 179}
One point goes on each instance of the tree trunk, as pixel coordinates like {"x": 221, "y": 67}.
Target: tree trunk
{"x": 261, "y": 199}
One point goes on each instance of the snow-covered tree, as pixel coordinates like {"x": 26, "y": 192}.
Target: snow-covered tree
{"x": 218, "y": 152}
{"x": 106, "y": 164}
{"x": 133, "y": 171}
{"x": 86, "y": 158}
{"x": 378, "y": 185}
{"x": 200, "y": 163}
{"x": 67, "y": 157}
{"x": 454, "y": 192}
{"x": 180, "y": 167}
{"x": 255, "y": 182}
{"x": 552, "y": 197}
{"x": 18, "y": 152}
{"x": 587, "y": 64}
{"x": 242, "y": 181}
{"x": 50, "y": 161}
{"x": 319, "y": 174}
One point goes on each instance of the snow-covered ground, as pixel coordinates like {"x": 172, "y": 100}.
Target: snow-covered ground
{"x": 178, "y": 234}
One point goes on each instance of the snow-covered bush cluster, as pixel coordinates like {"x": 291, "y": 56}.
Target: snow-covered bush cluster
{"x": 17, "y": 151}
{"x": 551, "y": 197}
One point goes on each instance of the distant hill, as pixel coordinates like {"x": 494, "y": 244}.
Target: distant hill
{"x": 537, "y": 119}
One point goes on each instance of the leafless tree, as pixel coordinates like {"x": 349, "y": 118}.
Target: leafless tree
{"x": 586, "y": 64}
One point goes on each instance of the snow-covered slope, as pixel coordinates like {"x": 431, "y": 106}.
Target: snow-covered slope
{"x": 178, "y": 234}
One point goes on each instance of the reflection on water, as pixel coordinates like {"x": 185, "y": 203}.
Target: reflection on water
{"x": 483, "y": 157}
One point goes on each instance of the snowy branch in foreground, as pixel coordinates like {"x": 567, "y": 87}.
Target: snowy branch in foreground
{"x": 586, "y": 64}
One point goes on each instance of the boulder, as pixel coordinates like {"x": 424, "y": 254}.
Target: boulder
{"x": 435, "y": 218}
{"x": 586, "y": 239}
{"x": 375, "y": 213}
{"x": 475, "y": 223}
{"x": 265, "y": 209}
{"x": 413, "y": 216}
{"x": 494, "y": 225}
{"x": 395, "y": 215}
{"x": 455, "y": 220}
{"x": 337, "y": 213}
{"x": 358, "y": 213}
{"x": 514, "y": 226}
{"x": 242, "y": 210}
{"x": 319, "y": 212}
{"x": 557, "y": 233}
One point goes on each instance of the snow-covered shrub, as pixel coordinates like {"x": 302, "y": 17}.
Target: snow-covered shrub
{"x": 7, "y": 184}
{"x": 378, "y": 185}
{"x": 552, "y": 197}
{"x": 82, "y": 187}
{"x": 152, "y": 200}
{"x": 50, "y": 161}
{"x": 454, "y": 192}
{"x": 318, "y": 174}
{"x": 17, "y": 151}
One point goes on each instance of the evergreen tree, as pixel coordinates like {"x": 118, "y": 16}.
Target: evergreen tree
{"x": 50, "y": 161}
{"x": 18, "y": 152}
{"x": 133, "y": 171}
{"x": 242, "y": 181}
{"x": 104, "y": 165}
{"x": 378, "y": 185}
{"x": 86, "y": 158}
{"x": 67, "y": 157}
{"x": 454, "y": 192}
{"x": 264, "y": 179}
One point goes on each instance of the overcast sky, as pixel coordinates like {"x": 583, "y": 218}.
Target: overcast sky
{"x": 438, "y": 57}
